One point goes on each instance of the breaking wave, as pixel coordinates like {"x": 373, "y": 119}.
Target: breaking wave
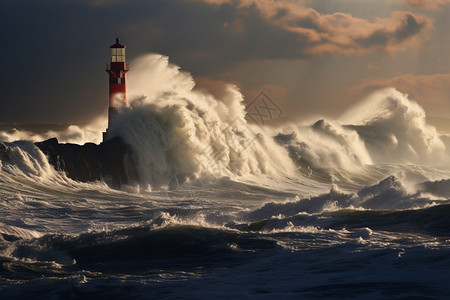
{"x": 179, "y": 130}
{"x": 176, "y": 129}
{"x": 185, "y": 134}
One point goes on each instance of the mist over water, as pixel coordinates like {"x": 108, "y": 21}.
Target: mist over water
{"x": 65, "y": 133}
{"x": 348, "y": 208}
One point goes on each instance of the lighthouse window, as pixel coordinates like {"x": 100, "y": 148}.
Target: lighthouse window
{"x": 117, "y": 54}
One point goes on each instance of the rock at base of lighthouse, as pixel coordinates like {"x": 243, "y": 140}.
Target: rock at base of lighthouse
{"x": 112, "y": 161}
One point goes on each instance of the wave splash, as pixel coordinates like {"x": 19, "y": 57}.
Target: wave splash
{"x": 269, "y": 209}
{"x": 182, "y": 133}
{"x": 386, "y": 128}
{"x": 178, "y": 130}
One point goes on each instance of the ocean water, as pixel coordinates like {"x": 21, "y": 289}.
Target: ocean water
{"x": 352, "y": 208}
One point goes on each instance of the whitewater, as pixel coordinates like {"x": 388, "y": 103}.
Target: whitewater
{"x": 357, "y": 207}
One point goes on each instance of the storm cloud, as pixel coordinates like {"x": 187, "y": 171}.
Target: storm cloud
{"x": 310, "y": 33}
{"x": 56, "y": 50}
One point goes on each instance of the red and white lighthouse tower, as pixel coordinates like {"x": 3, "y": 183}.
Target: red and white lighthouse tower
{"x": 117, "y": 69}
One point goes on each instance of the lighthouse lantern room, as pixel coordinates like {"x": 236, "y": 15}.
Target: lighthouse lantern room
{"x": 117, "y": 69}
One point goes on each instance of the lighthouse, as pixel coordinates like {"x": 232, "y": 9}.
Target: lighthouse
{"x": 117, "y": 69}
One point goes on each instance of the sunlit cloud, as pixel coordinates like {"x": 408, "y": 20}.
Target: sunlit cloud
{"x": 310, "y": 33}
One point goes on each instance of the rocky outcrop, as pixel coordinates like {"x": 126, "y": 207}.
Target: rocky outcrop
{"x": 112, "y": 161}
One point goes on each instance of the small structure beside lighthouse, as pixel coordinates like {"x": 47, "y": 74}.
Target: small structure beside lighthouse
{"x": 117, "y": 68}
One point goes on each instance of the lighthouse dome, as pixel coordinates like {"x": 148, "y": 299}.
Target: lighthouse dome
{"x": 117, "y": 44}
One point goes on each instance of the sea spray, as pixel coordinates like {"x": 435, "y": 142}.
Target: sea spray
{"x": 386, "y": 128}
{"x": 23, "y": 158}
{"x": 178, "y": 130}
{"x": 394, "y": 130}
{"x": 65, "y": 133}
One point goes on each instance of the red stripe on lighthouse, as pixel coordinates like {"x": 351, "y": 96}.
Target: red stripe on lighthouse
{"x": 117, "y": 70}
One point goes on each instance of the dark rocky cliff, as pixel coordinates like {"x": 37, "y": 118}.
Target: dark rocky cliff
{"x": 112, "y": 161}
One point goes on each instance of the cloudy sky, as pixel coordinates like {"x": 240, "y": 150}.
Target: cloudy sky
{"x": 313, "y": 57}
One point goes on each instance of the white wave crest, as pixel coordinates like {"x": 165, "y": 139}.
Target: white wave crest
{"x": 175, "y": 129}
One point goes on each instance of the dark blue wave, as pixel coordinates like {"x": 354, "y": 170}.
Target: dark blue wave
{"x": 138, "y": 249}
